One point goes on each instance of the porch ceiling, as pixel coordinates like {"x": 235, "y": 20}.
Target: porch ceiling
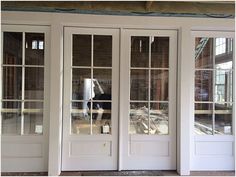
{"x": 217, "y": 9}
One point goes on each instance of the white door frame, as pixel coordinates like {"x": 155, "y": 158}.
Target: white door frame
{"x": 106, "y": 159}
{"x": 33, "y": 147}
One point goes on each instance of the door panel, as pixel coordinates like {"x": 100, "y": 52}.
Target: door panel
{"x": 24, "y": 94}
{"x": 90, "y": 121}
{"x": 148, "y": 99}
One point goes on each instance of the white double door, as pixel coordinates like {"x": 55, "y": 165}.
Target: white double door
{"x": 119, "y": 99}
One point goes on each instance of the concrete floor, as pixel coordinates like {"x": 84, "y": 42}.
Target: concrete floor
{"x": 125, "y": 173}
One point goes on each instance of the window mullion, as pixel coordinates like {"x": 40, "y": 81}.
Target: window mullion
{"x": 23, "y": 84}
{"x": 91, "y": 105}
{"x": 149, "y": 83}
{"x": 213, "y": 88}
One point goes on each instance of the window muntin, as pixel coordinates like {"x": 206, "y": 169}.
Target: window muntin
{"x": 23, "y": 84}
{"x": 149, "y": 85}
{"x": 91, "y": 103}
{"x": 213, "y": 86}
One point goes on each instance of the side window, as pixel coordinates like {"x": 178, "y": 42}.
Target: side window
{"x": 213, "y": 86}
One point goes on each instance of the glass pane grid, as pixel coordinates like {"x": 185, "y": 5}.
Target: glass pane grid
{"x": 28, "y": 113}
{"x": 147, "y": 115}
{"x": 220, "y": 94}
{"x": 91, "y": 90}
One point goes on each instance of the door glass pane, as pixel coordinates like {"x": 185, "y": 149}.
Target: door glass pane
{"x": 12, "y": 105}
{"x": 81, "y": 52}
{"x": 203, "y": 124}
{"x": 34, "y": 48}
{"x": 223, "y": 86}
{"x": 102, "y": 84}
{"x": 34, "y": 83}
{"x": 12, "y": 48}
{"x": 101, "y": 118}
{"x": 223, "y": 124}
{"x": 159, "y": 85}
{"x": 159, "y": 123}
{"x": 203, "y": 85}
{"x": 139, "y": 51}
{"x": 12, "y": 83}
{"x": 81, "y": 84}
{"x": 102, "y": 51}
{"x": 204, "y": 52}
{"x": 160, "y": 52}
{"x": 33, "y": 123}
{"x": 80, "y": 118}
{"x": 11, "y": 123}
{"x": 139, "y": 122}
{"x": 139, "y": 84}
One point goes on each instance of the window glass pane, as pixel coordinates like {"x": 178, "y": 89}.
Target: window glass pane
{"x": 159, "y": 85}
{"x": 102, "y": 84}
{"x": 220, "y": 46}
{"x": 139, "y": 51}
{"x": 203, "y": 124}
{"x": 12, "y": 48}
{"x": 80, "y": 118}
{"x": 11, "y": 123}
{"x": 203, "y": 85}
{"x": 101, "y": 118}
{"x": 11, "y": 85}
{"x": 159, "y": 118}
{"x": 81, "y": 52}
{"x": 16, "y": 105}
{"x": 102, "y": 55}
{"x": 223, "y": 85}
{"x": 34, "y": 54}
{"x": 138, "y": 118}
{"x": 81, "y": 84}
{"x": 160, "y": 52}
{"x": 223, "y": 124}
{"x": 204, "y": 52}
{"x": 34, "y": 83}
{"x": 139, "y": 84}
{"x": 33, "y": 123}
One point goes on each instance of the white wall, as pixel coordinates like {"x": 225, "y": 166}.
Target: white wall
{"x": 185, "y": 74}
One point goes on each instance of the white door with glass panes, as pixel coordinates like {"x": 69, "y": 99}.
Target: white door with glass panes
{"x": 214, "y": 116}
{"x": 24, "y": 98}
{"x": 90, "y": 118}
{"x": 148, "y": 99}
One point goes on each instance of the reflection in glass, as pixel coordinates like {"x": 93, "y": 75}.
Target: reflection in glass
{"x": 139, "y": 122}
{"x": 139, "y": 51}
{"x": 33, "y": 105}
{"x": 223, "y": 85}
{"x": 81, "y": 52}
{"x": 81, "y": 84}
{"x": 223, "y": 124}
{"x": 159, "y": 85}
{"x": 204, "y": 52}
{"x": 12, "y": 48}
{"x": 159, "y": 118}
{"x": 203, "y": 85}
{"x": 34, "y": 83}
{"x": 203, "y": 124}
{"x": 34, "y": 50}
{"x": 33, "y": 123}
{"x": 102, "y": 121}
{"x": 11, "y": 123}
{"x": 11, "y": 85}
{"x": 160, "y": 52}
{"x": 139, "y": 84}
{"x": 102, "y": 84}
{"x": 80, "y": 118}
{"x": 102, "y": 51}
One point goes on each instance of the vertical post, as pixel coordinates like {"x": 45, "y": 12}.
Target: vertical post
{"x": 185, "y": 100}
{"x": 56, "y": 87}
